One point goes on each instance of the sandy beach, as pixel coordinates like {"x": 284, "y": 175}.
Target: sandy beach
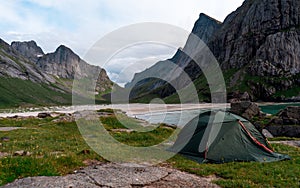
{"x": 129, "y": 109}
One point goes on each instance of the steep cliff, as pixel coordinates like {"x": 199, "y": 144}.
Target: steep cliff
{"x": 29, "y": 49}
{"x": 261, "y": 40}
{"x": 257, "y": 47}
{"x": 142, "y": 83}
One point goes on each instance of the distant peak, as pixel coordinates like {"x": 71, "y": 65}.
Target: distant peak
{"x": 3, "y": 42}
{"x": 64, "y": 48}
{"x": 32, "y": 42}
{"x": 205, "y": 16}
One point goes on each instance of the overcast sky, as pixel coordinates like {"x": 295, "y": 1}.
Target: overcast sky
{"x": 78, "y": 24}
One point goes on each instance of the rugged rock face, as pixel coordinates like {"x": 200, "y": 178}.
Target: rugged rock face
{"x": 64, "y": 63}
{"x": 29, "y": 49}
{"x": 262, "y": 37}
{"x": 204, "y": 28}
{"x": 13, "y": 64}
{"x": 54, "y": 71}
{"x": 260, "y": 41}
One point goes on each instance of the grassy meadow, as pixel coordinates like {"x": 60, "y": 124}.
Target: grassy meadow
{"x": 57, "y": 148}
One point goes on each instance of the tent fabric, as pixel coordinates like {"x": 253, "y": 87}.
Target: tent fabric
{"x": 219, "y": 137}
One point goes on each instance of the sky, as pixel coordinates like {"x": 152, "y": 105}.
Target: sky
{"x": 80, "y": 24}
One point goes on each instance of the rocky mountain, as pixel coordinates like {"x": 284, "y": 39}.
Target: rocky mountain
{"x": 257, "y": 47}
{"x": 28, "y": 76}
{"x": 204, "y": 28}
{"x": 15, "y": 65}
{"x": 29, "y": 49}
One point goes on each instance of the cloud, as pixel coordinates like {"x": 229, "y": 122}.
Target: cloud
{"x": 80, "y": 24}
{"x": 126, "y": 63}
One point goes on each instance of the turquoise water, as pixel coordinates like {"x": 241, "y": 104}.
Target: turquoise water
{"x": 275, "y": 108}
{"x": 179, "y": 118}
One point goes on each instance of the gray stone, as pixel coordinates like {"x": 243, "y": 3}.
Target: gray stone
{"x": 267, "y": 134}
{"x": 284, "y": 130}
{"x": 246, "y": 109}
{"x": 28, "y": 49}
{"x": 44, "y": 115}
{"x": 5, "y": 139}
{"x": 116, "y": 175}
{"x": 21, "y": 153}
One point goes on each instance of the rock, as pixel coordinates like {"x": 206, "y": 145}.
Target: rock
{"x": 64, "y": 63}
{"x": 246, "y": 109}
{"x": 44, "y": 115}
{"x": 267, "y": 134}
{"x": 21, "y": 153}
{"x": 3, "y": 154}
{"x": 122, "y": 130}
{"x": 284, "y": 130}
{"x": 292, "y": 112}
{"x": 85, "y": 152}
{"x": 28, "y": 49}
{"x": 118, "y": 175}
{"x": 245, "y": 97}
{"x": 15, "y": 65}
{"x": 288, "y": 116}
{"x": 236, "y": 97}
{"x": 65, "y": 118}
{"x": 261, "y": 39}
{"x": 5, "y": 139}
{"x": 204, "y": 28}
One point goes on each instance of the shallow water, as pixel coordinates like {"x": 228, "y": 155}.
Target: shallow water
{"x": 275, "y": 108}
{"x": 178, "y": 118}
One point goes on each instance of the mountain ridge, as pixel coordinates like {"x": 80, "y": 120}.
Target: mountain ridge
{"x": 52, "y": 74}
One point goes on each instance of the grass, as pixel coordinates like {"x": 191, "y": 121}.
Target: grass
{"x": 56, "y": 149}
{"x": 16, "y": 92}
{"x": 278, "y": 174}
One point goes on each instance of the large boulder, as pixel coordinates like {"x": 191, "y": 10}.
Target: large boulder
{"x": 288, "y": 116}
{"x": 246, "y": 109}
{"x": 286, "y": 123}
{"x": 284, "y": 130}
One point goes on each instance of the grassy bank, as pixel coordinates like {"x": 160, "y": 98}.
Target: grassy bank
{"x": 57, "y": 148}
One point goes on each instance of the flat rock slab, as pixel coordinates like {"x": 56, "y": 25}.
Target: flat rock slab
{"x": 5, "y": 129}
{"x": 115, "y": 175}
{"x": 290, "y": 143}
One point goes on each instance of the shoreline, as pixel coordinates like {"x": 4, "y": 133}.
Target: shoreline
{"x": 129, "y": 109}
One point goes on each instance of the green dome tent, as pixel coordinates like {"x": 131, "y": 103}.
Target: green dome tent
{"x": 218, "y": 137}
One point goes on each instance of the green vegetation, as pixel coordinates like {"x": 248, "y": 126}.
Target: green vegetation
{"x": 57, "y": 149}
{"x": 16, "y": 92}
{"x": 278, "y": 174}
{"x": 295, "y": 91}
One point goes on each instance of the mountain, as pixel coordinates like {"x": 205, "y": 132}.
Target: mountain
{"x": 29, "y": 49}
{"x": 204, "y": 28}
{"x": 257, "y": 47}
{"x": 29, "y": 77}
